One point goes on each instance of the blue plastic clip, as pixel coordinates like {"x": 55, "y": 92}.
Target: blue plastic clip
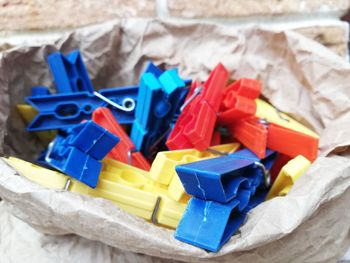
{"x": 69, "y": 72}
{"x": 79, "y": 153}
{"x": 40, "y": 91}
{"x": 159, "y": 99}
{"x": 209, "y": 224}
{"x": 219, "y": 179}
{"x": 59, "y": 111}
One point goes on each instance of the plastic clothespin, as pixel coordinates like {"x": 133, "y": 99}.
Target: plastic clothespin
{"x": 61, "y": 111}
{"x": 219, "y": 179}
{"x": 69, "y": 72}
{"x": 288, "y": 175}
{"x": 127, "y": 187}
{"x": 194, "y": 127}
{"x": 79, "y": 153}
{"x": 157, "y": 103}
{"x": 239, "y": 100}
{"x": 124, "y": 151}
{"x": 257, "y": 135}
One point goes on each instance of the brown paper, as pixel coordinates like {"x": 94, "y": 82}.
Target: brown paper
{"x": 299, "y": 77}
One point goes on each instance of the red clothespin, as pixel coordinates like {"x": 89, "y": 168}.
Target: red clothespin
{"x": 239, "y": 100}
{"x": 257, "y": 135}
{"x": 124, "y": 150}
{"x": 195, "y": 125}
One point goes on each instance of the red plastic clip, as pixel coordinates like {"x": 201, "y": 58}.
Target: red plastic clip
{"x": 277, "y": 166}
{"x": 195, "y": 125}
{"x": 257, "y": 135}
{"x": 124, "y": 150}
{"x": 239, "y": 100}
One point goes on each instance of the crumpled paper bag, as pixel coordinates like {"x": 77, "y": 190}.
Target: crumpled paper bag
{"x": 299, "y": 76}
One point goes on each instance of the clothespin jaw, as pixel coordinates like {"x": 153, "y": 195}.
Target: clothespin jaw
{"x": 214, "y": 217}
{"x": 59, "y": 111}
{"x": 124, "y": 151}
{"x": 252, "y": 133}
{"x": 219, "y": 179}
{"x": 195, "y": 125}
{"x": 239, "y": 100}
{"x": 288, "y": 175}
{"x": 78, "y": 154}
{"x": 69, "y": 72}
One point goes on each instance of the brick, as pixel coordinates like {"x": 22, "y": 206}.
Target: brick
{"x": 50, "y": 14}
{"x": 242, "y": 8}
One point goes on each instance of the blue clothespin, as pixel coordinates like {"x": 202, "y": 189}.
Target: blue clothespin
{"x": 209, "y": 224}
{"x": 79, "y": 152}
{"x": 59, "y": 111}
{"x": 158, "y": 100}
{"x": 69, "y": 72}
{"x": 219, "y": 179}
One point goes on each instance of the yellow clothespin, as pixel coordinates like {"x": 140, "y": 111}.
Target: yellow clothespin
{"x": 126, "y": 186}
{"x": 288, "y": 175}
{"x": 268, "y": 112}
{"x": 28, "y": 113}
{"x": 163, "y": 167}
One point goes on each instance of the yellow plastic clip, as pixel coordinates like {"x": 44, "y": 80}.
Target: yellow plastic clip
{"x": 28, "y": 113}
{"x": 288, "y": 175}
{"x": 126, "y": 186}
{"x": 163, "y": 167}
{"x": 268, "y": 112}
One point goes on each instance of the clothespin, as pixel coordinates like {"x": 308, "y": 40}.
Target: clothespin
{"x": 258, "y": 134}
{"x": 194, "y": 127}
{"x": 239, "y": 100}
{"x": 157, "y": 103}
{"x": 163, "y": 166}
{"x": 124, "y": 151}
{"x": 127, "y": 187}
{"x": 79, "y": 153}
{"x": 69, "y": 72}
{"x": 28, "y": 113}
{"x": 59, "y": 111}
{"x": 288, "y": 175}
{"x": 218, "y": 179}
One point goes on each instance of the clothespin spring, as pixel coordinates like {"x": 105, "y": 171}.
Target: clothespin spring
{"x": 128, "y": 103}
{"x": 196, "y": 92}
{"x": 266, "y": 173}
{"x": 155, "y": 211}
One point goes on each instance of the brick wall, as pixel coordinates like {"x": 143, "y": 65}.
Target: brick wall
{"x": 38, "y": 21}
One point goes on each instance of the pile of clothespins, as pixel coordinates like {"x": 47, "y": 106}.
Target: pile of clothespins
{"x": 190, "y": 155}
